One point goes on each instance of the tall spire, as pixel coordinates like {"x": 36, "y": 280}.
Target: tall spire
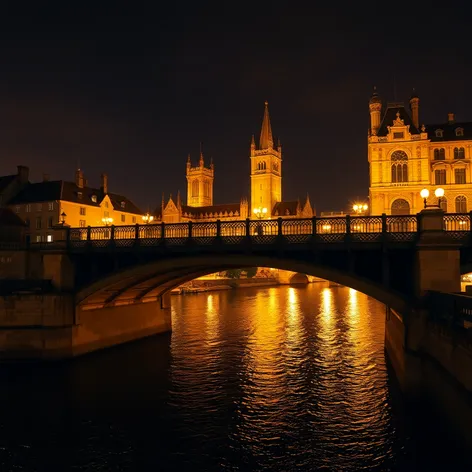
{"x": 266, "y": 141}
{"x": 201, "y": 155}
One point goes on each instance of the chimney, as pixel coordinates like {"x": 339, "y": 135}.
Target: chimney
{"x": 45, "y": 177}
{"x": 104, "y": 183}
{"x": 79, "y": 178}
{"x": 23, "y": 174}
{"x": 450, "y": 117}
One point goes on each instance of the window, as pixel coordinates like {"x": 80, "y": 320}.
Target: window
{"x": 461, "y": 204}
{"x": 106, "y": 214}
{"x": 49, "y": 238}
{"x": 82, "y": 223}
{"x": 27, "y": 221}
{"x": 133, "y": 219}
{"x": 440, "y": 177}
{"x": 51, "y": 206}
{"x": 123, "y": 204}
{"x": 195, "y": 188}
{"x": 28, "y": 208}
{"x": 39, "y": 207}
{"x": 17, "y": 209}
{"x": 123, "y": 218}
{"x": 94, "y": 198}
{"x": 400, "y": 207}
{"x": 439, "y": 133}
{"x": 206, "y": 189}
{"x": 38, "y": 222}
{"x": 398, "y": 135}
{"x": 83, "y": 211}
{"x": 439, "y": 154}
{"x": 443, "y": 204}
{"x": 399, "y": 167}
{"x": 261, "y": 165}
{"x": 459, "y": 176}
{"x": 459, "y": 153}
{"x": 106, "y": 204}
{"x": 260, "y": 187}
{"x": 459, "y": 132}
{"x": 38, "y": 238}
{"x": 50, "y": 222}
{"x": 79, "y": 195}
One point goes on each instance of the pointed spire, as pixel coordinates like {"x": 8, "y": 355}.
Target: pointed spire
{"x": 253, "y": 142}
{"x": 163, "y": 204}
{"x": 202, "y": 162}
{"x": 212, "y": 166}
{"x": 266, "y": 141}
{"x": 188, "y": 160}
{"x": 179, "y": 203}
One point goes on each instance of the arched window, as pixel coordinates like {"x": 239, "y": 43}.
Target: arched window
{"x": 439, "y": 133}
{"x": 400, "y": 207}
{"x": 261, "y": 165}
{"x": 459, "y": 131}
{"x": 439, "y": 154}
{"x": 206, "y": 189}
{"x": 195, "y": 188}
{"x": 399, "y": 167}
{"x": 461, "y": 204}
{"x": 459, "y": 153}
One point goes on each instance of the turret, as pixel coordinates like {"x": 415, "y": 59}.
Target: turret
{"x": 253, "y": 146}
{"x": 414, "y": 107}
{"x": 375, "y": 107}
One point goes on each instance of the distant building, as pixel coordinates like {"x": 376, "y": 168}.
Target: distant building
{"x": 406, "y": 156}
{"x": 266, "y": 189}
{"x": 10, "y": 185}
{"x": 45, "y": 204}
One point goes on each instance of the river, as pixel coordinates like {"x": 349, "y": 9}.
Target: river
{"x": 267, "y": 379}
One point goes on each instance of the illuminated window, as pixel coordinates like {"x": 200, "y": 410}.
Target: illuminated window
{"x": 459, "y": 132}
{"x": 461, "y": 204}
{"x": 94, "y": 198}
{"x": 49, "y": 238}
{"x": 28, "y": 208}
{"x": 459, "y": 176}
{"x": 83, "y": 211}
{"x": 123, "y": 204}
{"x": 38, "y": 238}
{"x": 440, "y": 177}
{"x": 51, "y": 206}
{"x": 459, "y": 153}
{"x": 123, "y": 218}
{"x": 439, "y": 154}
{"x": 79, "y": 195}
{"x": 439, "y": 133}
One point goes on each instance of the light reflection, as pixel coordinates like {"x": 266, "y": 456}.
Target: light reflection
{"x": 211, "y": 321}
{"x": 326, "y": 303}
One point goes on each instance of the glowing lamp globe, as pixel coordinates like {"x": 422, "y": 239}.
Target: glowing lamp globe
{"x": 424, "y": 193}
{"x": 439, "y": 192}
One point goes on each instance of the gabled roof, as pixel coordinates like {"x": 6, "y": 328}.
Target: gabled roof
{"x": 6, "y": 180}
{"x": 391, "y": 115}
{"x": 8, "y": 218}
{"x": 449, "y": 131}
{"x": 70, "y": 192}
{"x": 285, "y": 208}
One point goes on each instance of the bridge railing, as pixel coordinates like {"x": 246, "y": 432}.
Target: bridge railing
{"x": 294, "y": 230}
{"x": 451, "y": 309}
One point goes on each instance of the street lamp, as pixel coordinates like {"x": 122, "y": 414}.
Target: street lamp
{"x": 438, "y": 193}
{"x": 107, "y": 220}
{"x": 147, "y": 218}
{"x": 63, "y": 218}
{"x": 260, "y": 212}
{"x": 360, "y": 208}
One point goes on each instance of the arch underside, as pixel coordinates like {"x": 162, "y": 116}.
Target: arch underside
{"x": 149, "y": 281}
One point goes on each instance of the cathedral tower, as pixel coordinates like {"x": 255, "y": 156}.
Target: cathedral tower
{"x": 266, "y": 169}
{"x": 375, "y": 107}
{"x": 200, "y": 183}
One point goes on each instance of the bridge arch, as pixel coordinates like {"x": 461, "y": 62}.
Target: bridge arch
{"x": 155, "y": 278}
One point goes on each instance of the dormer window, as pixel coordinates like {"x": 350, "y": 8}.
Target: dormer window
{"x": 79, "y": 195}
{"x": 459, "y": 131}
{"x": 123, "y": 204}
{"x": 94, "y": 198}
{"x": 439, "y": 133}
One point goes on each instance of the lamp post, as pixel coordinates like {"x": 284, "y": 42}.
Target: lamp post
{"x": 147, "y": 218}
{"x": 360, "y": 208}
{"x": 63, "y": 218}
{"x": 107, "y": 220}
{"x": 438, "y": 193}
{"x": 260, "y": 212}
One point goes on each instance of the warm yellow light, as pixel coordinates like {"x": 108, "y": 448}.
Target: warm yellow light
{"x": 107, "y": 220}
{"x": 365, "y": 207}
{"x": 264, "y": 210}
{"x": 147, "y": 218}
{"x": 326, "y": 227}
{"x": 424, "y": 193}
{"x": 439, "y": 192}
{"x": 355, "y": 207}
{"x": 256, "y": 210}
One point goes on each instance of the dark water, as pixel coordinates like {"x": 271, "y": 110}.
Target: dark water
{"x": 276, "y": 379}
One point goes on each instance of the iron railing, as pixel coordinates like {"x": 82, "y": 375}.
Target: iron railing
{"x": 401, "y": 228}
{"x": 451, "y": 309}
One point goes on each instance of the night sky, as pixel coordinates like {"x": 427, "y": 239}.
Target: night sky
{"x": 131, "y": 91}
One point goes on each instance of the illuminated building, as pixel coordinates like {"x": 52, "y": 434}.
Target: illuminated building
{"x": 406, "y": 156}
{"x": 45, "y": 204}
{"x": 266, "y": 189}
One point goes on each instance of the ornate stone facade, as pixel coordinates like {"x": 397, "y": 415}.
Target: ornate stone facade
{"x": 405, "y": 157}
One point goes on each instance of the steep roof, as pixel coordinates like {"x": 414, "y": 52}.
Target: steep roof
{"x": 285, "y": 208}
{"x": 391, "y": 115}
{"x": 6, "y": 180}
{"x": 449, "y": 131}
{"x": 70, "y": 192}
{"x": 266, "y": 141}
{"x": 8, "y": 218}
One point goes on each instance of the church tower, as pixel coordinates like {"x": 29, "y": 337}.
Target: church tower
{"x": 266, "y": 169}
{"x": 200, "y": 183}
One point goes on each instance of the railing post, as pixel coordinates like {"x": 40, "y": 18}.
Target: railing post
{"x": 189, "y": 230}
{"x": 136, "y": 232}
{"x": 313, "y": 226}
{"x": 348, "y": 224}
{"x": 279, "y": 226}
{"x": 470, "y": 221}
{"x": 163, "y": 230}
{"x": 218, "y": 228}
{"x": 248, "y": 227}
{"x": 384, "y": 223}
{"x": 112, "y": 233}
{"x": 89, "y": 233}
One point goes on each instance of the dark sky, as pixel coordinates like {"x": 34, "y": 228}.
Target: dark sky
{"x": 132, "y": 90}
